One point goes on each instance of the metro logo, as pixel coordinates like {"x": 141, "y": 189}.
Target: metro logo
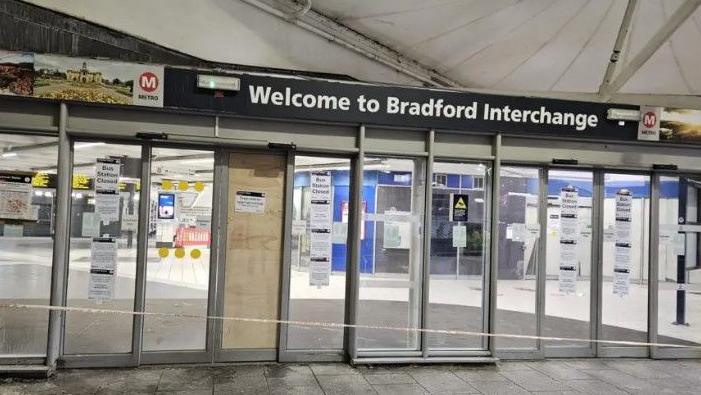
{"x": 148, "y": 81}
{"x": 649, "y": 119}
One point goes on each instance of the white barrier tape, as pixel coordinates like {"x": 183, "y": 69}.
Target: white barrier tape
{"x": 334, "y": 325}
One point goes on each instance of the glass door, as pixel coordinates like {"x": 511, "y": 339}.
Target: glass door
{"x": 391, "y": 253}
{"x": 568, "y": 285}
{"x": 103, "y": 249}
{"x": 318, "y": 256}
{"x": 179, "y": 254}
{"x": 459, "y": 244}
{"x": 679, "y": 265}
{"x": 625, "y": 263}
{"x": 520, "y": 255}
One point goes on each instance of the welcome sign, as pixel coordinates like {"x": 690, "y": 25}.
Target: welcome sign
{"x": 396, "y": 106}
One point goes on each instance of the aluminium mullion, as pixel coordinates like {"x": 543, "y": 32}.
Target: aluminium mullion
{"x": 286, "y": 257}
{"x": 486, "y": 253}
{"x": 598, "y": 203}
{"x": 541, "y": 261}
{"x": 141, "y": 255}
{"x": 222, "y": 170}
{"x": 354, "y": 267}
{"x": 426, "y": 256}
{"x": 219, "y": 215}
{"x": 653, "y": 263}
{"x": 59, "y": 268}
{"x": 494, "y": 244}
{"x": 595, "y": 248}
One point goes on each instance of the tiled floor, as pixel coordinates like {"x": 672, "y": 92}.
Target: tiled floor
{"x": 591, "y": 376}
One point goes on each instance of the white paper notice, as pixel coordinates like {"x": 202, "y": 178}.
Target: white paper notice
{"x": 107, "y": 189}
{"x": 250, "y": 202}
{"x": 103, "y": 267}
{"x": 622, "y": 264}
{"x": 107, "y": 175}
{"x": 569, "y": 235}
{"x": 459, "y": 236}
{"x": 16, "y": 198}
{"x": 321, "y": 229}
{"x": 107, "y": 207}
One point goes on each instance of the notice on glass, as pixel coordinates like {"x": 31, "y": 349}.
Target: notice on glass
{"x": 16, "y": 197}
{"x": 107, "y": 207}
{"x": 103, "y": 267}
{"x": 107, "y": 190}
{"x": 321, "y": 229}
{"x": 621, "y": 282}
{"x": 459, "y": 236}
{"x": 250, "y": 202}
{"x": 107, "y": 175}
{"x": 320, "y": 257}
{"x": 569, "y": 235}
{"x": 622, "y": 259}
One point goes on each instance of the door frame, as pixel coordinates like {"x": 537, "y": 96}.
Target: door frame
{"x": 554, "y": 351}
{"x": 137, "y": 356}
{"x": 219, "y": 353}
{"x": 286, "y": 354}
{"x": 603, "y": 350}
{"x": 657, "y": 352}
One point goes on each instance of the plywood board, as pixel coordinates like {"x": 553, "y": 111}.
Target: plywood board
{"x": 254, "y": 251}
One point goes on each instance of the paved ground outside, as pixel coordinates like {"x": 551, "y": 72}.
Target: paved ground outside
{"x": 567, "y": 376}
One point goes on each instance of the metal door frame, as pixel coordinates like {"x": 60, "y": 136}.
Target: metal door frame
{"x": 603, "y": 350}
{"x": 221, "y": 354}
{"x": 286, "y": 354}
{"x": 137, "y": 356}
{"x": 554, "y": 351}
{"x": 655, "y": 351}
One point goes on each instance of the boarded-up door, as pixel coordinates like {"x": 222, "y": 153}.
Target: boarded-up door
{"x": 254, "y": 249}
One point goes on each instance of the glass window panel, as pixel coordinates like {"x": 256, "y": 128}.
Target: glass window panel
{"x": 458, "y": 253}
{"x": 679, "y": 311}
{"x": 28, "y": 177}
{"x": 391, "y": 252}
{"x": 624, "y": 295}
{"x": 568, "y": 259}
{"x": 519, "y": 238}
{"x": 91, "y": 332}
{"x": 312, "y": 299}
{"x": 177, "y": 271}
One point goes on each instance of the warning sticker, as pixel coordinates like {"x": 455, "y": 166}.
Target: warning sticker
{"x": 458, "y": 207}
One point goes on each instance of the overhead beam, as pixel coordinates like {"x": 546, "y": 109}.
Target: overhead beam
{"x": 317, "y": 23}
{"x": 618, "y": 47}
{"x": 661, "y": 36}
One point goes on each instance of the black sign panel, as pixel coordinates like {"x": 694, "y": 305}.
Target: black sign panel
{"x": 347, "y": 102}
{"x": 458, "y": 207}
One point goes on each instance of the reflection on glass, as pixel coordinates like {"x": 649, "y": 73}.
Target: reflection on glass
{"x": 625, "y": 263}
{"x": 568, "y": 258}
{"x": 28, "y": 181}
{"x": 96, "y": 215}
{"x": 321, "y": 201}
{"x": 679, "y": 312}
{"x": 519, "y": 238}
{"x": 458, "y": 252}
{"x": 391, "y": 252}
{"x": 179, "y": 239}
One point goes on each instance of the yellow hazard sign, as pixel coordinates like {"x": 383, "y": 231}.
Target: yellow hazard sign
{"x": 458, "y": 207}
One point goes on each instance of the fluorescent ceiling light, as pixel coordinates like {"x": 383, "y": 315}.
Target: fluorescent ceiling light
{"x": 86, "y": 145}
{"x": 9, "y": 154}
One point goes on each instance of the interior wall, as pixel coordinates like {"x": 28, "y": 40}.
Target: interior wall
{"x": 230, "y": 32}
